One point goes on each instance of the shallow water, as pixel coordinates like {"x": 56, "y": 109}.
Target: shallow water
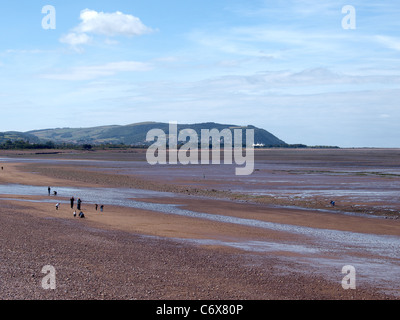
{"x": 360, "y": 184}
{"x": 388, "y": 246}
{"x": 342, "y": 247}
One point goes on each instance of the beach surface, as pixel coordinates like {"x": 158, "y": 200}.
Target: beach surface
{"x": 199, "y": 231}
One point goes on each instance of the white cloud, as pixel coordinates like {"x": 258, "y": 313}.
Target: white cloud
{"x": 106, "y": 24}
{"x": 111, "y": 24}
{"x": 93, "y": 72}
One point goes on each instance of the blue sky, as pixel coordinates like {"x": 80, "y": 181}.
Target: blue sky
{"x": 286, "y": 66}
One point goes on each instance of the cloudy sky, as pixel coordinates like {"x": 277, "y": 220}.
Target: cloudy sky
{"x": 293, "y": 67}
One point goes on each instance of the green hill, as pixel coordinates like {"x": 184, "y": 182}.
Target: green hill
{"x": 14, "y": 136}
{"x": 135, "y": 134}
{"x": 75, "y": 135}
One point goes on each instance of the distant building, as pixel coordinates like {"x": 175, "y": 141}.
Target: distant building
{"x": 258, "y": 145}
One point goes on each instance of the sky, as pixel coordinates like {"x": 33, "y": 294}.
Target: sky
{"x": 311, "y": 72}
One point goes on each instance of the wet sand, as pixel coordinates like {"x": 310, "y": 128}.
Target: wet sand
{"x": 153, "y": 255}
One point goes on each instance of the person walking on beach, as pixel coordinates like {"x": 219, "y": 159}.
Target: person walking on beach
{"x": 72, "y": 202}
{"x": 57, "y": 206}
{"x": 49, "y": 190}
{"x": 101, "y": 208}
{"x": 78, "y": 205}
{"x": 96, "y": 205}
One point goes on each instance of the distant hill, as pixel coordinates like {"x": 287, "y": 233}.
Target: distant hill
{"x": 135, "y": 134}
{"x": 18, "y": 136}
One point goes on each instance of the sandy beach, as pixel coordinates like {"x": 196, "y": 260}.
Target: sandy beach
{"x": 187, "y": 233}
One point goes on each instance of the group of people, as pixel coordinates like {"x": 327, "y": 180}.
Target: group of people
{"x": 81, "y": 214}
{"x": 78, "y": 207}
{"x": 101, "y": 207}
{"x": 78, "y": 204}
{"x": 49, "y": 190}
